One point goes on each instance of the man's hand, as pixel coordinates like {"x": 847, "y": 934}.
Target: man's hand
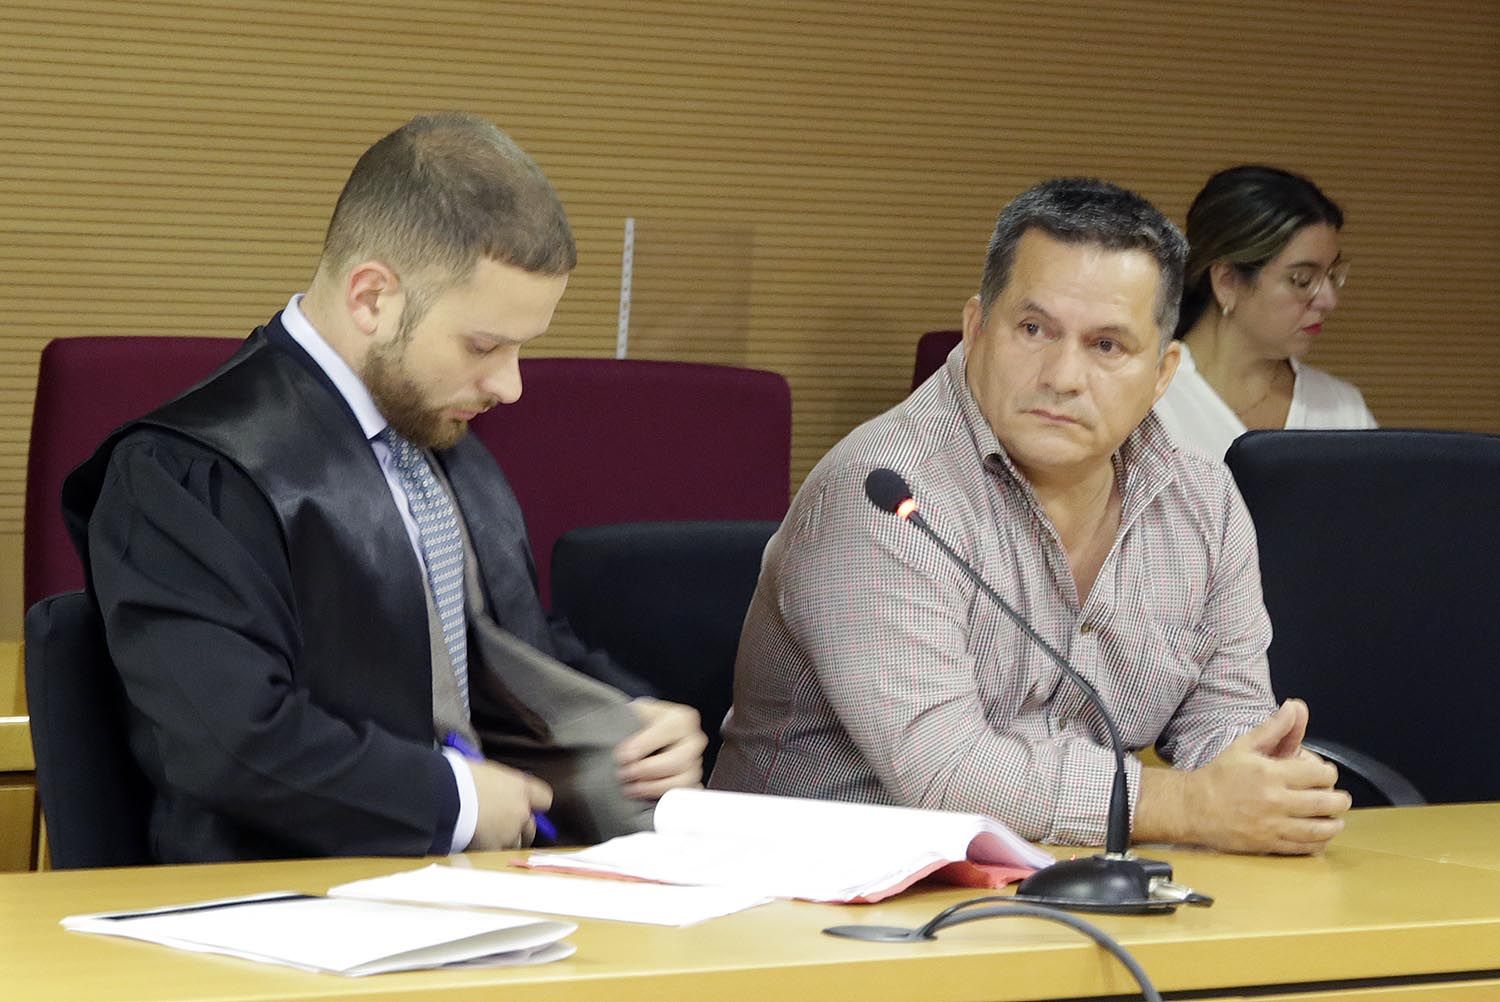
{"x": 667, "y": 752}
{"x": 1264, "y": 793}
{"x": 506, "y": 799}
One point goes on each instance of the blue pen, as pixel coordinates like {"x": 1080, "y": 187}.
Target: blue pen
{"x": 544, "y": 828}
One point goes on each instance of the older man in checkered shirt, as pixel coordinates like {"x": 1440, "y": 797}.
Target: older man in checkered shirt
{"x": 871, "y": 669}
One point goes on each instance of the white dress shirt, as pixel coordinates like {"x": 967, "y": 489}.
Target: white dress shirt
{"x": 1197, "y": 418}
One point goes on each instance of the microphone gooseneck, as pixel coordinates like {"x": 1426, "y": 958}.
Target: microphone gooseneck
{"x": 1115, "y": 880}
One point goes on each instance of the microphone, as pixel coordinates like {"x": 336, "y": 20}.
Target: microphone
{"x": 1115, "y": 880}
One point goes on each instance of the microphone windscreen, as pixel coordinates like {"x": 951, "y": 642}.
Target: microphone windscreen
{"x": 886, "y": 489}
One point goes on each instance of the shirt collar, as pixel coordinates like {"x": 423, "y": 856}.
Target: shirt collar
{"x": 990, "y": 450}
{"x": 344, "y": 379}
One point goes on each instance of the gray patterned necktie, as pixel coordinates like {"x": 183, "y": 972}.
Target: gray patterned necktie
{"x": 442, "y": 549}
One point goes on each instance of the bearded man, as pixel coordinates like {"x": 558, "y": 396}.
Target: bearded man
{"x": 318, "y": 592}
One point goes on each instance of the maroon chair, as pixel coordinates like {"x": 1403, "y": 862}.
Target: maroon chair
{"x": 932, "y": 352}
{"x": 600, "y": 441}
{"x": 591, "y": 442}
{"x": 86, "y": 388}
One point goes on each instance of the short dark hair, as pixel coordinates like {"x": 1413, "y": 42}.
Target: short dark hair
{"x": 1085, "y": 210}
{"x": 1246, "y": 215}
{"x": 443, "y": 191}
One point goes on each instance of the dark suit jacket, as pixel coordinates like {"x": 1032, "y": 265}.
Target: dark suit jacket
{"x": 267, "y": 616}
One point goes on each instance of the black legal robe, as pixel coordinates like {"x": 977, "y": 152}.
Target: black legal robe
{"x": 267, "y": 615}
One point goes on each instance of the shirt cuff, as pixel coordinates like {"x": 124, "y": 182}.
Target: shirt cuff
{"x": 468, "y": 801}
{"x": 1081, "y": 814}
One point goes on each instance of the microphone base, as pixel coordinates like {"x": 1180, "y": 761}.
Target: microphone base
{"x": 1112, "y": 883}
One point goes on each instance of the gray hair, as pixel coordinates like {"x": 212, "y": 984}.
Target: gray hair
{"x": 1082, "y": 210}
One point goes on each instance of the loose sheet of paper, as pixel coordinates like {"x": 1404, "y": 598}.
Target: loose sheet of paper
{"x": 621, "y": 901}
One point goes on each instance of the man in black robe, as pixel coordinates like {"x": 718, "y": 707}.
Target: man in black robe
{"x": 318, "y": 592}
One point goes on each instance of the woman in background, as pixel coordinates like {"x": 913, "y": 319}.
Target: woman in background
{"x": 1263, "y": 273}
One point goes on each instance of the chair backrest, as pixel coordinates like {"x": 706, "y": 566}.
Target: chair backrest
{"x": 932, "y": 351}
{"x": 94, "y": 797}
{"x": 1380, "y": 557}
{"x": 86, "y": 388}
{"x": 602, "y": 441}
{"x": 667, "y": 600}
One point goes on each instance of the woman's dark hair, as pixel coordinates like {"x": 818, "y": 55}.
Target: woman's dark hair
{"x": 1245, "y": 216}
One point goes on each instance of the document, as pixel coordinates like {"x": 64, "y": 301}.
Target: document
{"x": 353, "y": 938}
{"x": 620, "y": 900}
{"x": 788, "y": 847}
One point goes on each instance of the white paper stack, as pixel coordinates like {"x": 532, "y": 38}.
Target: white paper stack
{"x": 341, "y": 937}
{"x": 816, "y": 850}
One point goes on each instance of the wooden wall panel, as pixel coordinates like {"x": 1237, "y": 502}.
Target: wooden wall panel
{"x": 812, "y": 180}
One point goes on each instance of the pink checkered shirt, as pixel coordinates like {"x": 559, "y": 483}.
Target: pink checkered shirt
{"x": 871, "y": 669}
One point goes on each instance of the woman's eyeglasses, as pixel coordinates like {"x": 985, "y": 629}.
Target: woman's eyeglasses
{"x": 1308, "y": 282}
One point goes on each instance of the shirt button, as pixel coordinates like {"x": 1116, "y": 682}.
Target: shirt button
{"x": 1086, "y": 628}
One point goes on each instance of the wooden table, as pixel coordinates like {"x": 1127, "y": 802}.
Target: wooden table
{"x": 1467, "y": 834}
{"x": 1363, "y": 923}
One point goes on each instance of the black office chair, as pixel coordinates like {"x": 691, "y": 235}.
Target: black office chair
{"x": 1380, "y": 557}
{"x": 667, "y": 601}
{"x": 94, "y": 797}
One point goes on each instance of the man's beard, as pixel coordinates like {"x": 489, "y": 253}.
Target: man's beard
{"x": 401, "y": 403}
